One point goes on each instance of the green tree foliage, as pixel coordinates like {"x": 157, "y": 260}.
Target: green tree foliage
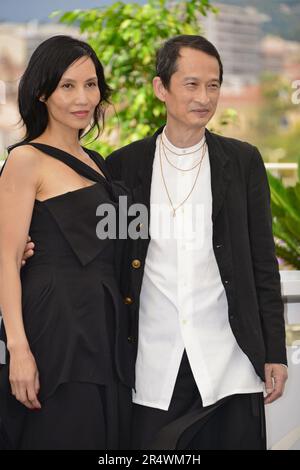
{"x": 273, "y": 128}
{"x": 285, "y": 203}
{"x": 126, "y": 37}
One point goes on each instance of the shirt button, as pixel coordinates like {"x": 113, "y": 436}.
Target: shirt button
{"x": 184, "y": 322}
{"x": 226, "y": 282}
{"x": 128, "y": 300}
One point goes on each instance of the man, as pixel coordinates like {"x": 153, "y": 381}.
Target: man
{"x": 206, "y": 291}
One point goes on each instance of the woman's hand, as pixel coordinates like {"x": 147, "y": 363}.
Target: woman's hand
{"x": 24, "y": 377}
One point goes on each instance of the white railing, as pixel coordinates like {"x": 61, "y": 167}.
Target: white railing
{"x": 288, "y": 172}
{"x": 283, "y": 416}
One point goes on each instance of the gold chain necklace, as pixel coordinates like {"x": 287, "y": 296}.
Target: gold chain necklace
{"x": 177, "y": 168}
{"x": 165, "y": 184}
{"x": 182, "y": 154}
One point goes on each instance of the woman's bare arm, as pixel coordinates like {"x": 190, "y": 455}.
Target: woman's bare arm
{"x": 19, "y": 183}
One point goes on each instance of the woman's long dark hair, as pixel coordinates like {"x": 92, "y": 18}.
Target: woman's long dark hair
{"x": 46, "y": 66}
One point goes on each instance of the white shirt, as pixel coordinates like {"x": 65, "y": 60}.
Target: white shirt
{"x": 183, "y": 303}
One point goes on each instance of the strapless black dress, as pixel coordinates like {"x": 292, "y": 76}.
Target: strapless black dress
{"x": 72, "y": 308}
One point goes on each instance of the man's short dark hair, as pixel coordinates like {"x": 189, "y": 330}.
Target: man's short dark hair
{"x": 167, "y": 55}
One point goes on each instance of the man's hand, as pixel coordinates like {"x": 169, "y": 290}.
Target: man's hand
{"x": 275, "y": 376}
{"x": 28, "y": 251}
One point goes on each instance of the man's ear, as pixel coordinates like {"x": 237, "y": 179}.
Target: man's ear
{"x": 159, "y": 89}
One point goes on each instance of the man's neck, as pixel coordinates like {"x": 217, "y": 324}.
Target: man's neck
{"x": 184, "y": 139}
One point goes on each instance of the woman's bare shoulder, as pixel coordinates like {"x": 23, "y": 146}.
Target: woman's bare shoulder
{"x": 25, "y": 151}
{"x": 23, "y": 156}
{"x": 23, "y": 163}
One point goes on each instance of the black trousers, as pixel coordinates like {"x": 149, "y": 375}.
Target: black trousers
{"x": 234, "y": 423}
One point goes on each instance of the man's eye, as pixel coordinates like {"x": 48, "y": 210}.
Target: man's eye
{"x": 91, "y": 84}
{"x": 67, "y": 85}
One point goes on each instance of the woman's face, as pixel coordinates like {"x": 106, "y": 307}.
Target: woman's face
{"x": 75, "y": 98}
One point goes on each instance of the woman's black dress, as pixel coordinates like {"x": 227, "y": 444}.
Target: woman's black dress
{"x": 75, "y": 324}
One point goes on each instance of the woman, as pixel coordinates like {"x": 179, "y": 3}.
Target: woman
{"x": 68, "y": 375}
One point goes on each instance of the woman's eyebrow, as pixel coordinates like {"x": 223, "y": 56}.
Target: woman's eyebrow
{"x": 71, "y": 79}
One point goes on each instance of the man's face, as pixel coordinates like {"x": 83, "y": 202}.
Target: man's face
{"x": 194, "y": 90}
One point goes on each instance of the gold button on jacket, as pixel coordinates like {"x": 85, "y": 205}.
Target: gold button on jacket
{"x": 136, "y": 263}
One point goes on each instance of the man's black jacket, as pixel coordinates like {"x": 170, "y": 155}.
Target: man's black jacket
{"x": 242, "y": 240}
